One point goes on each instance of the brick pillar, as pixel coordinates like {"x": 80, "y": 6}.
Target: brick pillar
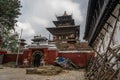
{"x": 45, "y": 51}
{"x": 30, "y": 56}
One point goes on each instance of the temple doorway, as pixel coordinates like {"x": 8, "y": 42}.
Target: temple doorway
{"x": 37, "y": 57}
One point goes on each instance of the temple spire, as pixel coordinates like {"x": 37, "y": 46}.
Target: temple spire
{"x": 65, "y": 13}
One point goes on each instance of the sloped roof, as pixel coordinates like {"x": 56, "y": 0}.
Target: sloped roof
{"x": 94, "y": 25}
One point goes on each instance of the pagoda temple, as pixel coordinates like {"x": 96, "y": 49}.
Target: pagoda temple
{"x": 22, "y": 44}
{"x": 65, "y": 44}
{"x": 66, "y": 33}
{"x": 39, "y": 40}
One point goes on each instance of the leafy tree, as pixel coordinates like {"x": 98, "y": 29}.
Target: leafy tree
{"x": 9, "y": 12}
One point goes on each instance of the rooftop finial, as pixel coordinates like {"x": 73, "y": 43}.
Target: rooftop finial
{"x": 65, "y": 13}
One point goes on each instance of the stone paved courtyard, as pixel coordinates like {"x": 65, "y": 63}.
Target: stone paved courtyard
{"x": 20, "y": 74}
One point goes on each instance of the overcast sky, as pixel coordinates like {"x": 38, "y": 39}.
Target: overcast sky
{"x": 37, "y": 15}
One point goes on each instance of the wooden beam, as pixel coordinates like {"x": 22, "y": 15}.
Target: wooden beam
{"x": 97, "y": 52}
{"x": 112, "y": 51}
{"x": 117, "y": 50}
{"x": 114, "y": 29}
{"x": 105, "y": 29}
{"x": 109, "y": 24}
{"x": 115, "y": 16}
{"x": 114, "y": 74}
{"x": 100, "y": 37}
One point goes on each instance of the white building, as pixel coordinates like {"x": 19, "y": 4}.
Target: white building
{"x": 103, "y": 34}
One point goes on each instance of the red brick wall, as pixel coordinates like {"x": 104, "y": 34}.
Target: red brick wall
{"x": 51, "y": 56}
{"x": 12, "y": 58}
{"x": 78, "y": 58}
{"x": 3, "y": 52}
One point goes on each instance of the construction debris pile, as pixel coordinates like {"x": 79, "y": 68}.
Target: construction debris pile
{"x": 65, "y": 63}
{"x": 44, "y": 70}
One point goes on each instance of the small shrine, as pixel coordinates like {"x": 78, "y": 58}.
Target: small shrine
{"x": 39, "y": 41}
{"x": 22, "y": 44}
{"x": 40, "y": 51}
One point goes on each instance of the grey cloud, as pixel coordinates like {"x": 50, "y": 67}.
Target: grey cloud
{"x": 40, "y": 14}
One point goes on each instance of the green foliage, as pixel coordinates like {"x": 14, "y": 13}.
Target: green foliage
{"x": 9, "y": 11}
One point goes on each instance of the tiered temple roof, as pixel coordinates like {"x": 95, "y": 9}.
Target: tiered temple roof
{"x": 41, "y": 42}
{"x": 22, "y": 42}
{"x": 65, "y": 27}
{"x": 65, "y": 31}
{"x": 39, "y": 39}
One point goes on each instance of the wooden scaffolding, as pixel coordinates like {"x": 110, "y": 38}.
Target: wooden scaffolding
{"x": 106, "y": 65}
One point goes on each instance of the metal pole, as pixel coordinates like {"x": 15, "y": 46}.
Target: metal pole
{"x": 49, "y": 37}
{"x": 18, "y": 48}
